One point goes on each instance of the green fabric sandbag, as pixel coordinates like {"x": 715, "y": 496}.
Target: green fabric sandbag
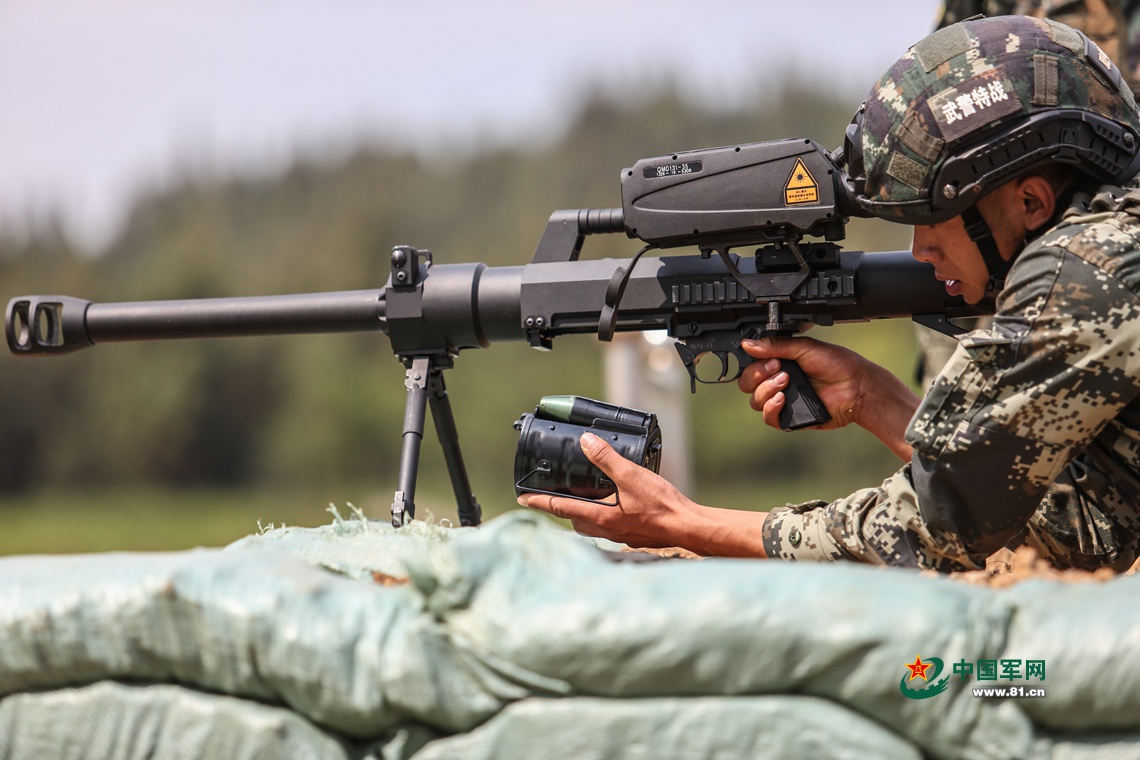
{"x": 520, "y": 611}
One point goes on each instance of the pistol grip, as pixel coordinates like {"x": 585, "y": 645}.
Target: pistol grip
{"x": 802, "y": 407}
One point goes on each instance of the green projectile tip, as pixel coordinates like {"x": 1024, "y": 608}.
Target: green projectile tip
{"x": 556, "y": 407}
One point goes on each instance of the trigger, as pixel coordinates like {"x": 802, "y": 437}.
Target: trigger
{"x": 723, "y": 356}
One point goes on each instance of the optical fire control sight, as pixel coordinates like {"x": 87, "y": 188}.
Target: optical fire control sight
{"x": 549, "y": 458}
{"x": 764, "y": 197}
{"x": 744, "y": 195}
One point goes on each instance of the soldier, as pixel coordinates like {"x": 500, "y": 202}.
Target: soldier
{"x": 1105, "y": 22}
{"x": 1011, "y": 144}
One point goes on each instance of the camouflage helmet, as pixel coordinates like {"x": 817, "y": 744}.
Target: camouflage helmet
{"x": 980, "y": 102}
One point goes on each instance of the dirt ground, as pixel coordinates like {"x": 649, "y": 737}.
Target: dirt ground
{"x": 1009, "y": 567}
{"x": 1002, "y": 569}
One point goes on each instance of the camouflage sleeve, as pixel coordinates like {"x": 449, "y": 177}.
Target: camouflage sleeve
{"x": 1083, "y": 522}
{"x": 1005, "y": 441}
{"x": 878, "y": 526}
{"x": 1018, "y": 402}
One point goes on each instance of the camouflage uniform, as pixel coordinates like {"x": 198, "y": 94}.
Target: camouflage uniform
{"x": 1031, "y": 433}
{"x": 1037, "y": 418}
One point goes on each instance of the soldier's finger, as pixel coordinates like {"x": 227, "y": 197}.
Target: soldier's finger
{"x": 605, "y": 457}
{"x": 567, "y": 509}
{"x": 771, "y": 410}
{"x": 764, "y": 391}
{"x": 756, "y": 373}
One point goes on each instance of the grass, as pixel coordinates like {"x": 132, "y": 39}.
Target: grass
{"x": 151, "y": 519}
{"x": 156, "y": 519}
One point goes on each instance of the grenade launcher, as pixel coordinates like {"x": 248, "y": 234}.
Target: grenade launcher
{"x": 747, "y": 209}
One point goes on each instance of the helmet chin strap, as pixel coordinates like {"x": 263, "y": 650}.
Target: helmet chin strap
{"x": 979, "y": 231}
{"x": 983, "y": 237}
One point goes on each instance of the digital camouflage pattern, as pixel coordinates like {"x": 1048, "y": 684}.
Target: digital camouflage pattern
{"x": 1031, "y": 433}
{"x": 965, "y": 82}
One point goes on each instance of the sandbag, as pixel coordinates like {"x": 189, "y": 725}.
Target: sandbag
{"x": 520, "y": 616}
{"x": 356, "y": 658}
{"x": 118, "y": 721}
{"x": 1088, "y": 637}
{"x": 541, "y": 606}
{"x": 712, "y": 728}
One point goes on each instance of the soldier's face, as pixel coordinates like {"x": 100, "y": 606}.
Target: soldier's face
{"x": 955, "y": 257}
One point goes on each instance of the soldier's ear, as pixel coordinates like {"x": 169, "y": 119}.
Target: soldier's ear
{"x": 1037, "y": 200}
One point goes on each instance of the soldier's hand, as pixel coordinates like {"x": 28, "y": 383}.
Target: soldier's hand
{"x": 838, "y": 375}
{"x": 650, "y": 512}
{"x": 852, "y": 388}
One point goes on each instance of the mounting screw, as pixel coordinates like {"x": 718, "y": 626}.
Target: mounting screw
{"x": 399, "y": 257}
{"x": 950, "y": 191}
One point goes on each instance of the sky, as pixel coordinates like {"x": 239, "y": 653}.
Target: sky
{"x": 101, "y": 99}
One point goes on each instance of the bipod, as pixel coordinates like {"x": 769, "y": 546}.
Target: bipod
{"x": 424, "y": 381}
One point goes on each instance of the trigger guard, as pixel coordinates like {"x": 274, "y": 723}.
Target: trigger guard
{"x": 689, "y": 360}
{"x": 743, "y": 359}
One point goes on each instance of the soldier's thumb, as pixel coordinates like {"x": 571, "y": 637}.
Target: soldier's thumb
{"x": 602, "y": 454}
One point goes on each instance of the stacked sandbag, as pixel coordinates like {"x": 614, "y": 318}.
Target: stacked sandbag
{"x": 521, "y": 640}
{"x": 109, "y": 720}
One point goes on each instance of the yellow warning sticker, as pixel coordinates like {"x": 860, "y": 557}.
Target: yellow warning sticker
{"x": 801, "y": 187}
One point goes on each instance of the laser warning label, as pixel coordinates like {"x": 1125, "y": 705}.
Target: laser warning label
{"x": 801, "y": 187}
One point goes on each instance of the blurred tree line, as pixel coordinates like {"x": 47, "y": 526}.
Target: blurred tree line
{"x": 317, "y": 411}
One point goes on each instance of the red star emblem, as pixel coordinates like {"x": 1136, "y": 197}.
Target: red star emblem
{"x": 919, "y": 668}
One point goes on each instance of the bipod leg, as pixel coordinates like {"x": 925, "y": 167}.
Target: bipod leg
{"x": 415, "y": 408}
{"x": 470, "y": 513}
